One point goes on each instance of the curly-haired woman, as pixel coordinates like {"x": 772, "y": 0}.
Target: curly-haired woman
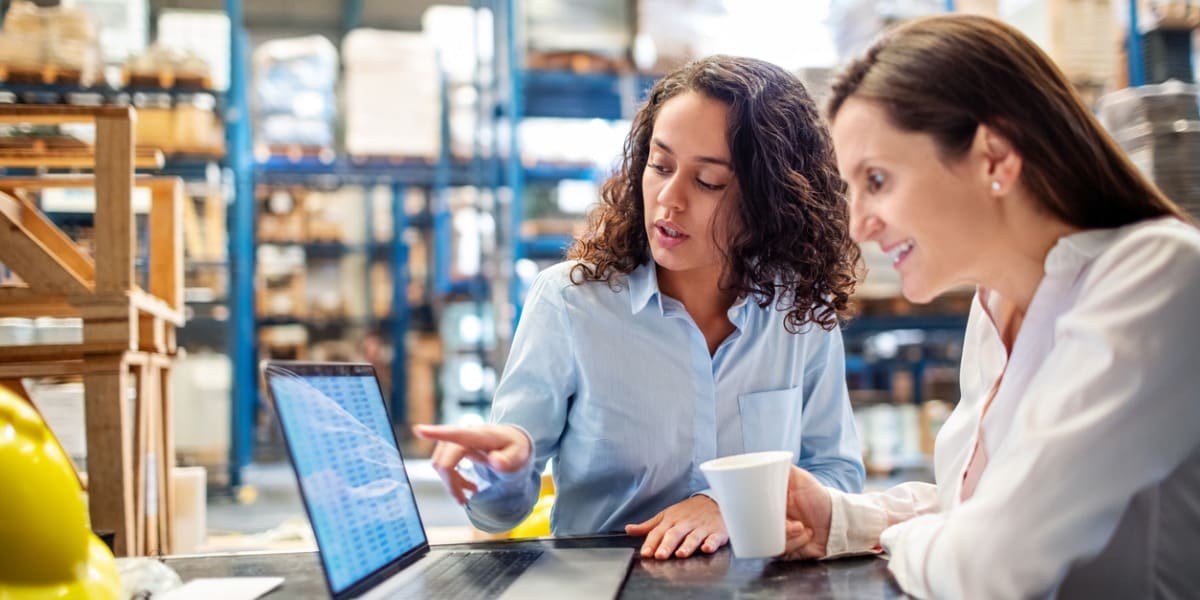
{"x": 696, "y": 318}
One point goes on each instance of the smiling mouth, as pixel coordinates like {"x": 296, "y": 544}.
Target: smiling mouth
{"x": 901, "y": 251}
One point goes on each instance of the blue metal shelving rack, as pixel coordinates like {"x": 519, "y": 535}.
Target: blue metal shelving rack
{"x": 556, "y": 94}
{"x": 399, "y": 174}
{"x": 243, "y": 345}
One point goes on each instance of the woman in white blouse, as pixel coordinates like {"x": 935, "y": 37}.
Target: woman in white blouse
{"x": 1071, "y": 466}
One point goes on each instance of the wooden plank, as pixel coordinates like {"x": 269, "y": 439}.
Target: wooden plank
{"x": 193, "y": 239}
{"x": 21, "y": 301}
{"x": 81, "y": 158}
{"x": 29, "y": 258}
{"x": 74, "y": 181}
{"x": 114, "y": 223}
{"x": 166, "y": 510}
{"x": 39, "y": 352}
{"x": 154, "y": 306}
{"x": 141, "y": 448}
{"x": 152, "y": 331}
{"x": 109, "y": 449}
{"x": 106, "y": 333}
{"x": 33, "y": 311}
{"x": 59, "y": 113}
{"x": 118, "y": 305}
{"x": 64, "y": 248}
{"x": 215, "y": 227}
{"x": 166, "y": 243}
{"x": 41, "y": 369}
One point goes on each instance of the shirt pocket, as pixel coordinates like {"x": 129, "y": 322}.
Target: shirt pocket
{"x": 771, "y": 420}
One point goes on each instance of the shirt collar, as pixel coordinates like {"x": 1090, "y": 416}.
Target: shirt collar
{"x": 643, "y": 288}
{"x": 1073, "y": 252}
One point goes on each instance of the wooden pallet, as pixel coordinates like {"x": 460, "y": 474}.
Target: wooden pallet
{"x": 295, "y": 152}
{"x": 577, "y": 62}
{"x": 128, "y": 332}
{"x": 46, "y": 75}
{"x": 169, "y": 80}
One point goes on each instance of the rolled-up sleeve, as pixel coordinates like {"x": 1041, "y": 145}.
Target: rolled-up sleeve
{"x": 532, "y": 395}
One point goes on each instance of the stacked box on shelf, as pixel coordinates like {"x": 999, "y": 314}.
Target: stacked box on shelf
{"x": 282, "y": 282}
{"x": 857, "y": 23}
{"x": 49, "y": 45}
{"x": 1080, "y": 35}
{"x": 601, "y": 27}
{"x": 202, "y": 33}
{"x": 463, "y": 64}
{"x": 1159, "y": 126}
{"x": 391, "y": 93}
{"x": 293, "y": 92}
{"x": 280, "y": 217}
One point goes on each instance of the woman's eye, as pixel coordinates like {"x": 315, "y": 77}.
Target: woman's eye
{"x": 875, "y": 181}
{"x": 712, "y": 187}
{"x": 657, "y": 168}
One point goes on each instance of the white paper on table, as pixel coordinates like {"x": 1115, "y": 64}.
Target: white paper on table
{"x": 226, "y": 588}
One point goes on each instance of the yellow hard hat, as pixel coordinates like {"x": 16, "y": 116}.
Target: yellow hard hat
{"x": 47, "y": 548}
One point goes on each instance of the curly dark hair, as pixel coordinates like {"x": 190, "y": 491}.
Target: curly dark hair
{"x": 790, "y": 242}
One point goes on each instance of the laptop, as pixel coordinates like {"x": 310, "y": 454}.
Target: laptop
{"x": 370, "y": 537}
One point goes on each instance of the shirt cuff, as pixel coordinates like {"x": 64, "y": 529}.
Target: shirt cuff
{"x": 909, "y": 543}
{"x": 492, "y": 476}
{"x": 854, "y": 525}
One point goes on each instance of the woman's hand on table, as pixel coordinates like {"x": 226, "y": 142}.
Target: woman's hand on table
{"x": 681, "y": 529}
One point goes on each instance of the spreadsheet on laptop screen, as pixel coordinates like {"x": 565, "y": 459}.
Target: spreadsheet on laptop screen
{"x": 360, "y": 502}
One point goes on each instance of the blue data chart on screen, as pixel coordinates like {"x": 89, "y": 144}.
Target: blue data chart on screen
{"x": 359, "y": 498}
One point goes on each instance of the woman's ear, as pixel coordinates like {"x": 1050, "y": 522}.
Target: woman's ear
{"x": 1001, "y": 162}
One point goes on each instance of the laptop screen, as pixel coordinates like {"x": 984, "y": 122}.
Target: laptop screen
{"x": 351, "y": 475}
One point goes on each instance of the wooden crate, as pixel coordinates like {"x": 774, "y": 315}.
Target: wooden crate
{"x": 128, "y": 331}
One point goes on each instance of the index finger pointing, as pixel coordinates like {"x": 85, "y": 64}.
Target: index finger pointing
{"x": 464, "y": 436}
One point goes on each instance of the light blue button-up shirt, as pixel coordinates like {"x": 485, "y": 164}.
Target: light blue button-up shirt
{"x": 617, "y": 387}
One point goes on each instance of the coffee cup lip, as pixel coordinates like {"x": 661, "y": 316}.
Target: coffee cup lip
{"x": 750, "y": 459}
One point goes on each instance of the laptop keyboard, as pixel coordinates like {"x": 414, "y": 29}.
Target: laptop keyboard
{"x": 464, "y": 575}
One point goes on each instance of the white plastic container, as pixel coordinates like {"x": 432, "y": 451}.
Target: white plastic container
{"x": 16, "y": 332}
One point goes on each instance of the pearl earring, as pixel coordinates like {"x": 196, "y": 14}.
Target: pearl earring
{"x": 995, "y": 186}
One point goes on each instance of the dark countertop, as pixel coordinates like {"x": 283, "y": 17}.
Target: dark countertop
{"x": 704, "y": 576}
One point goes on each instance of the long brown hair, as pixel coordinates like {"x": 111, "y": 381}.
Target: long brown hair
{"x": 946, "y": 75}
{"x": 789, "y": 240}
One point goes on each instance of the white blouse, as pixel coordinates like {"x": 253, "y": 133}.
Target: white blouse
{"x": 1092, "y": 485}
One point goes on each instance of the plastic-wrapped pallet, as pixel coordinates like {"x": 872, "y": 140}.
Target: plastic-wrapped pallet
{"x": 392, "y": 94}
{"x": 857, "y": 23}
{"x": 599, "y": 27}
{"x": 61, "y": 40}
{"x": 1159, "y": 127}
{"x": 294, "y": 100}
{"x": 668, "y": 31}
{"x": 464, "y": 63}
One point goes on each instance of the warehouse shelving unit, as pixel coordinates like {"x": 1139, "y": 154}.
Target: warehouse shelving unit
{"x": 398, "y": 174}
{"x": 530, "y": 93}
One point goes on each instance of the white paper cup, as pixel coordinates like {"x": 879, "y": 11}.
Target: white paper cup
{"x": 751, "y": 490}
